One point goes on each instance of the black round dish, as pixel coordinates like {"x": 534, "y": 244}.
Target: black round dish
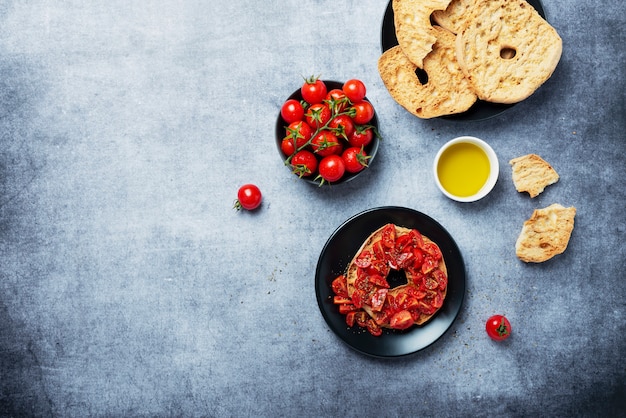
{"x": 339, "y": 251}
{"x": 481, "y": 110}
{"x": 371, "y": 149}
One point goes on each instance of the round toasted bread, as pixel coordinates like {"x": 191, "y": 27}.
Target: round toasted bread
{"x": 507, "y": 50}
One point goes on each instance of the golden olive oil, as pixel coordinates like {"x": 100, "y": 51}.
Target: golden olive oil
{"x": 463, "y": 169}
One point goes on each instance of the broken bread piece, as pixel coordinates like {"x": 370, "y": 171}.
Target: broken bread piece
{"x": 445, "y": 92}
{"x": 545, "y": 234}
{"x": 532, "y": 174}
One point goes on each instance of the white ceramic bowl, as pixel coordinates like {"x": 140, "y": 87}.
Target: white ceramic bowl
{"x": 492, "y": 176}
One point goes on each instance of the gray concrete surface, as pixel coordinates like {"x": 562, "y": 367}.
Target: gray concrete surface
{"x": 129, "y": 286}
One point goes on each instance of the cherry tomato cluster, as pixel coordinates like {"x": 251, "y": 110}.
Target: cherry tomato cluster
{"x": 327, "y": 132}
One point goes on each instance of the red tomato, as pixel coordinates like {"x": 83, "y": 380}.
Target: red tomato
{"x": 326, "y": 143}
{"x": 498, "y": 327}
{"x": 292, "y": 111}
{"x": 304, "y": 163}
{"x": 299, "y": 132}
{"x": 248, "y": 197}
{"x": 317, "y": 115}
{"x": 313, "y": 90}
{"x": 361, "y": 136}
{"x": 363, "y": 112}
{"x": 354, "y": 90}
{"x": 373, "y": 328}
{"x": 337, "y": 100}
{"x": 331, "y": 168}
{"x": 340, "y": 286}
{"x": 287, "y": 146}
{"x": 401, "y": 320}
{"x": 342, "y": 125}
{"x": 355, "y": 159}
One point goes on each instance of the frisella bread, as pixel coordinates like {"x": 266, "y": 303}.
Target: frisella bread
{"x": 532, "y": 174}
{"x": 364, "y": 294}
{"x": 507, "y": 50}
{"x": 545, "y": 234}
{"x": 446, "y": 91}
{"x": 504, "y": 49}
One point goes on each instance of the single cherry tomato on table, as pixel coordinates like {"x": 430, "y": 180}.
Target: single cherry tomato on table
{"x": 354, "y": 90}
{"x": 331, "y": 168}
{"x": 313, "y": 90}
{"x": 498, "y": 327}
{"x": 292, "y": 111}
{"x": 248, "y": 197}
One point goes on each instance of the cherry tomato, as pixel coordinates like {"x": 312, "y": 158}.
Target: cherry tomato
{"x": 326, "y": 143}
{"x": 361, "y": 136}
{"x": 287, "y": 146}
{"x": 313, "y": 90}
{"x": 355, "y": 159}
{"x": 401, "y": 320}
{"x": 498, "y": 327}
{"x": 331, "y": 168}
{"x": 304, "y": 163}
{"x": 343, "y": 125}
{"x": 337, "y": 100}
{"x": 317, "y": 115}
{"x": 292, "y": 111}
{"x": 354, "y": 90}
{"x": 248, "y": 197}
{"x": 300, "y": 132}
{"x": 364, "y": 112}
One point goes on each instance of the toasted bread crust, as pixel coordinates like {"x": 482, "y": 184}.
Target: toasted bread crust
{"x": 532, "y": 174}
{"x": 447, "y": 90}
{"x": 414, "y": 32}
{"x": 507, "y": 50}
{"x": 545, "y": 234}
{"x": 455, "y": 17}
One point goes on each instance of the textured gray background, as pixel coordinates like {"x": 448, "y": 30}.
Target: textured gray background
{"x": 129, "y": 286}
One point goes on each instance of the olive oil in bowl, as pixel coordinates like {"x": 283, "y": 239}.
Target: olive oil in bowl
{"x": 466, "y": 169}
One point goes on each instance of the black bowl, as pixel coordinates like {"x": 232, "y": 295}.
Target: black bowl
{"x": 371, "y": 149}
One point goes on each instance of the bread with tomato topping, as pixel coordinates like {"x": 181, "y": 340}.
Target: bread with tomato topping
{"x": 429, "y": 296}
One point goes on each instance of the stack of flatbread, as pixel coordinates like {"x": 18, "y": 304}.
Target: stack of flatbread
{"x": 499, "y": 51}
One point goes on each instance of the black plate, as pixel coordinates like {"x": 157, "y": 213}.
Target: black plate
{"x": 481, "y": 110}
{"x": 371, "y": 149}
{"x": 339, "y": 251}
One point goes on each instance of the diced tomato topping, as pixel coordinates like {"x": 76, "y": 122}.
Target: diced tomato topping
{"x": 340, "y": 286}
{"x": 441, "y": 277}
{"x": 388, "y": 236}
{"x": 373, "y": 328}
{"x": 429, "y": 265}
{"x": 357, "y": 298}
{"x": 431, "y": 283}
{"x": 341, "y": 300}
{"x": 404, "y": 259}
{"x": 417, "y": 238}
{"x": 378, "y": 299}
{"x": 418, "y": 258}
{"x": 432, "y": 250}
{"x": 350, "y": 318}
{"x": 378, "y": 280}
{"x": 364, "y": 260}
{"x": 401, "y": 320}
{"x": 403, "y": 241}
{"x": 361, "y": 318}
{"x": 344, "y": 309}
